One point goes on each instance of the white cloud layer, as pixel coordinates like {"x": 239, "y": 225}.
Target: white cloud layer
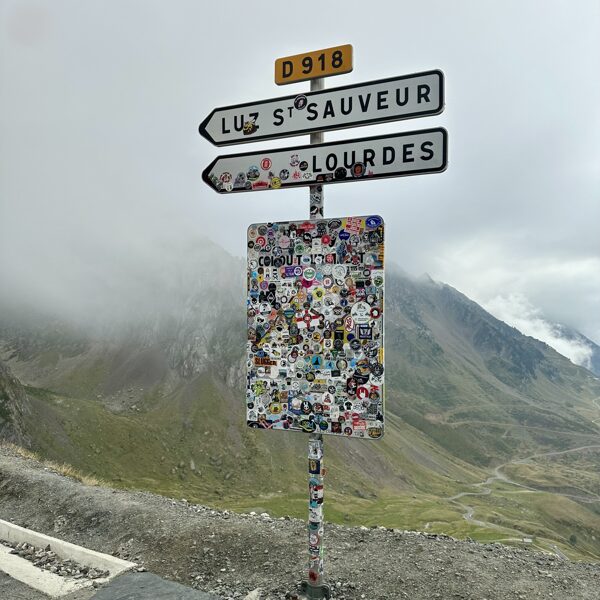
{"x": 101, "y": 161}
{"x": 560, "y": 281}
{"x": 516, "y": 310}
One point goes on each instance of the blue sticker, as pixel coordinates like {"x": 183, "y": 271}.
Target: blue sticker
{"x": 373, "y": 222}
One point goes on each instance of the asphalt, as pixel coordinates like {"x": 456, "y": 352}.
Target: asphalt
{"x": 142, "y": 586}
{"x": 11, "y": 589}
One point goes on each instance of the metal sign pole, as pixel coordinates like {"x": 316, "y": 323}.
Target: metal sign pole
{"x": 314, "y": 588}
{"x": 316, "y": 191}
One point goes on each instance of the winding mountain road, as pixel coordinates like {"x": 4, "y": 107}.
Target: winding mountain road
{"x": 499, "y": 475}
{"x": 595, "y": 401}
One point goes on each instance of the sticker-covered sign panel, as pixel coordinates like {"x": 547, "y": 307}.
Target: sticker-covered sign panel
{"x": 390, "y": 155}
{"x": 315, "y": 326}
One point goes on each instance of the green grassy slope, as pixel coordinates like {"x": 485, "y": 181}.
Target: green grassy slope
{"x": 465, "y": 393}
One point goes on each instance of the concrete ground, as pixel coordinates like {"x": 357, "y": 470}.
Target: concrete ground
{"x": 131, "y": 586}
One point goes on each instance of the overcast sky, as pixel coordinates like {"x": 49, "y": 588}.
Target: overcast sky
{"x": 101, "y": 161}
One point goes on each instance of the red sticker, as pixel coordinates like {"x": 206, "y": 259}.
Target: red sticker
{"x": 362, "y": 392}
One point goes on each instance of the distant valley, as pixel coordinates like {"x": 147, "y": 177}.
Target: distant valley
{"x": 490, "y": 434}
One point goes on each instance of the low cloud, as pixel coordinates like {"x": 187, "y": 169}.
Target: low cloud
{"x": 561, "y": 282}
{"x": 516, "y": 310}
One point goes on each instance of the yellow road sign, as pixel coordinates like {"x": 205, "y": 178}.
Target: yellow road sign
{"x": 310, "y": 65}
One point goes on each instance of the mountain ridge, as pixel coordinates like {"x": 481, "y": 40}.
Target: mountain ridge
{"x": 157, "y": 405}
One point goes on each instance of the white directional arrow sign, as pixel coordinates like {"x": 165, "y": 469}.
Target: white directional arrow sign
{"x": 393, "y": 99}
{"x": 395, "y": 155}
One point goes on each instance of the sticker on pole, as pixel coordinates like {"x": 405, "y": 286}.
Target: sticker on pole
{"x": 315, "y": 326}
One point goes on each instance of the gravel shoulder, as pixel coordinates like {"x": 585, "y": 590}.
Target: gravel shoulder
{"x": 230, "y": 554}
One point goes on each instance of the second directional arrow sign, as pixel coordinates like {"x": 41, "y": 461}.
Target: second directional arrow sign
{"x": 395, "y": 155}
{"x": 393, "y": 99}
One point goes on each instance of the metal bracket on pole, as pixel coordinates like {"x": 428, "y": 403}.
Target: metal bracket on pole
{"x": 314, "y": 588}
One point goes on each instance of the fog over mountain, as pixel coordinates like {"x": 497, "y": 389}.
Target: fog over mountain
{"x": 517, "y": 311}
{"x": 100, "y": 159}
{"x": 150, "y": 395}
{"x": 129, "y": 283}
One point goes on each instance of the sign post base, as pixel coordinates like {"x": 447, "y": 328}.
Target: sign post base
{"x": 315, "y": 592}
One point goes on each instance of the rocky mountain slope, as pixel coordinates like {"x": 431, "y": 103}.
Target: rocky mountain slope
{"x": 572, "y": 335}
{"x": 151, "y": 398}
{"x": 13, "y": 407}
{"x": 231, "y": 554}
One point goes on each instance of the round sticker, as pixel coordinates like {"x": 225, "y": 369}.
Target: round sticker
{"x": 300, "y": 102}
{"x": 377, "y": 369}
{"x": 339, "y": 271}
{"x": 265, "y": 164}
{"x": 355, "y": 345}
{"x": 373, "y": 222}
{"x": 361, "y": 392}
{"x": 303, "y": 165}
{"x": 309, "y": 273}
{"x": 358, "y": 169}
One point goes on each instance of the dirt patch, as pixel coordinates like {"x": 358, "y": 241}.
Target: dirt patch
{"x": 231, "y": 554}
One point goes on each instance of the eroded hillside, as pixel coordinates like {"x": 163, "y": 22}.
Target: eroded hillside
{"x": 473, "y": 407}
